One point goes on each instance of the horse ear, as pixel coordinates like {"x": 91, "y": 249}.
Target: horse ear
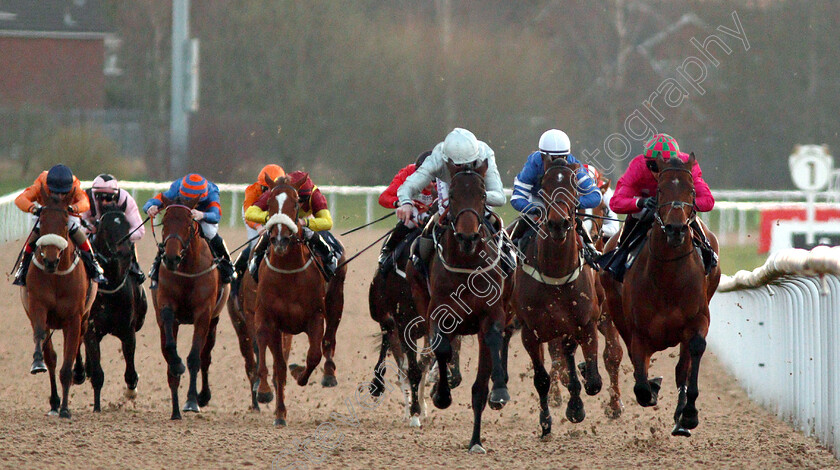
{"x": 45, "y": 196}
{"x": 691, "y": 160}
{"x": 606, "y": 186}
{"x": 660, "y": 163}
{"x": 192, "y": 203}
{"x": 575, "y": 167}
{"x": 481, "y": 169}
{"x": 165, "y": 200}
{"x": 270, "y": 181}
{"x": 453, "y": 168}
{"x": 546, "y": 161}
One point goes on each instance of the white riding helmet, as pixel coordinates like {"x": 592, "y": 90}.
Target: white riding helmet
{"x": 555, "y": 142}
{"x": 460, "y": 146}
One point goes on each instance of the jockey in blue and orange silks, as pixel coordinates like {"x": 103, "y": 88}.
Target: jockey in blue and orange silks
{"x": 207, "y": 212}
{"x": 527, "y": 198}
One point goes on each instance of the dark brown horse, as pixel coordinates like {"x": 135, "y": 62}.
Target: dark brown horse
{"x": 291, "y": 298}
{"x": 57, "y": 295}
{"x": 466, "y": 294}
{"x": 612, "y": 342}
{"x": 188, "y": 293}
{"x": 554, "y": 293}
{"x": 664, "y": 299}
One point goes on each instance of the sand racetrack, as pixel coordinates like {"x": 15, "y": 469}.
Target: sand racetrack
{"x": 733, "y": 432}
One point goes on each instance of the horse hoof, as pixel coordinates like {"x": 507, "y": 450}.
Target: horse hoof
{"x": 689, "y": 419}
{"x": 441, "y": 401}
{"x": 97, "y": 409}
{"x": 280, "y": 423}
{"x": 64, "y": 413}
{"x": 295, "y": 370}
{"x": 176, "y": 416}
{"x": 204, "y": 397}
{"x": 265, "y": 397}
{"x": 38, "y": 366}
{"x": 375, "y": 388}
{"x": 191, "y": 406}
{"x": 414, "y": 422}
{"x": 177, "y": 369}
{"x": 614, "y": 412}
{"x": 574, "y": 410}
{"x": 498, "y": 398}
{"x": 329, "y": 381}
{"x": 545, "y": 423}
{"x": 52, "y": 413}
{"x": 131, "y": 393}
{"x": 79, "y": 377}
{"x": 477, "y": 449}
{"x": 555, "y": 397}
{"x": 655, "y": 385}
{"x": 680, "y": 431}
{"x": 454, "y": 378}
{"x": 644, "y": 395}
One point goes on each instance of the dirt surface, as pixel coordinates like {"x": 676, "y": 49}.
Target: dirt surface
{"x": 733, "y": 432}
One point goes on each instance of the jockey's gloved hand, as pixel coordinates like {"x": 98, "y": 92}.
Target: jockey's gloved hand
{"x": 646, "y": 203}
{"x": 35, "y": 208}
{"x": 307, "y": 233}
{"x": 197, "y": 214}
{"x": 153, "y": 210}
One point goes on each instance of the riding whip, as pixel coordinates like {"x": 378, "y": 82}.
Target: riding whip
{"x": 590, "y": 216}
{"x": 369, "y": 223}
{"x": 364, "y": 249}
{"x": 132, "y": 232}
{"x": 247, "y": 242}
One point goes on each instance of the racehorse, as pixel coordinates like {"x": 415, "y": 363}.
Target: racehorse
{"x": 120, "y": 305}
{"x": 664, "y": 299}
{"x": 612, "y": 342}
{"x": 242, "y": 308}
{"x": 292, "y": 297}
{"x": 57, "y": 295}
{"x": 554, "y": 293}
{"x": 466, "y": 294}
{"x": 188, "y": 293}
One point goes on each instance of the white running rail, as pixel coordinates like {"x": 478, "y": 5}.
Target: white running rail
{"x": 777, "y": 329}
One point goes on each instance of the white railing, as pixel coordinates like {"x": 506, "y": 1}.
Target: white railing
{"x": 735, "y": 214}
{"x": 777, "y": 329}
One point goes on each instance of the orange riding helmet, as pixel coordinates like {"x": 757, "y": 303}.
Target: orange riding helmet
{"x": 270, "y": 173}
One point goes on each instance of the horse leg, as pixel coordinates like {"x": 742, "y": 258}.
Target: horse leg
{"x": 334, "y": 305}
{"x": 499, "y": 395}
{"x": 612, "y": 361}
{"x": 415, "y": 377}
{"x": 647, "y": 391}
{"x": 455, "y": 377}
{"x": 94, "y": 365}
{"x": 248, "y": 349}
{"x": 51, "y": 358}
{"x": 574, "y": 409}
{"x": 276, "y": 346}
{"x": 542, "y": 381}
{"x": 681, "y": 375}
{"x": 129, "y": 346}
{"x": 72, "y": 337}
{"x": 377, "y": 386}
{"x": 204, "y": 396}
{"x": 315, "y": 333}
{"x": 38, "y": 319}
{"x": 442, "y": 396}
{"x": 79, "y": 368}
{"x": 168, "y": 342}
{"x": 201, "y": 330}
{"x": 480, "y": 389}
{"x": 559, "y": 376}
{"x": 588, "y": 340}
{"x": 264, "y": 338}
{"x": 696, "y": 348}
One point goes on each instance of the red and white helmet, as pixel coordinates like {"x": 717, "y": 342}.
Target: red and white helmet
{"x": 105, "y": 183}
{"x": 596, "y": 176}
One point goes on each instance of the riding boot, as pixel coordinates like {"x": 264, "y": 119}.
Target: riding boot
{"x": 134, "y": 268}
{"x": 239, "y": 267}
{"x": 326, "y": 253}
{"x": 423, "y": 247}
{"x": 590, "y": 253}
{"x": 220, "y": 252}
{"x": 256, "y": 260}
{"x": 94, "y": 270}
{"x": 153, "y": 273}
{"x": 710, "y": 258}
{"x": 23, "y": 268}
{"x": 614, "y": 261}
{"x": 386, "y": 255}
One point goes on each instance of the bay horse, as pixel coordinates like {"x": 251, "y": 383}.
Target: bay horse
{"x": 242, "y": 308}
{"x": 664, "y": 299}
{"x": 189, "y": 292}
{"x": 57, "y": 295}
{"x": 612, "y": 342}
{"x": 554, "y": 293}
{"x": 292, "y": 297}
{"x": 466, "y": 294}
{"x": 120, "y": 305}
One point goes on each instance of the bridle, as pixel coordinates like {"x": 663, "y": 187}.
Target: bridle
{"x": 185, "y": 245}
{"x": 294, "y": 238}
{"x": 678, "y": 205}
{"x": 570, "y": 209}
{"x": 108, "y": 255}
{"x": 469, "y": 210}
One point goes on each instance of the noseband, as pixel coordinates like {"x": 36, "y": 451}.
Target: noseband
{"x": 185, "y": 245}
{"x": 678, "y": 205}
{"x": 469, "y": 210}
{"x": 570, "y": 210}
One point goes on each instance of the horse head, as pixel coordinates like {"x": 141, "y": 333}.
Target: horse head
{"x": 179, "y": 230}
{"x": 560, "y": 192}
{"x": 467, "y": 196}
{"x": 111, "y": 244}
{"x": 282, "y": 224}
{"x": 675, "y": 194}
{"x": 53, "y": 228}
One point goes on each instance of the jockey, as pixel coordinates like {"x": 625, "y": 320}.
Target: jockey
{"x": 265, "y": 180}
{"x": 527, "y": 197}
{"x": 59, "y": 180}
{"x": 106, "y": 195}
{"x": 208, "y": 212}
{"x": 389, "y": 200}
{"x": 459, "y": 147}
{"x": 314, "y": 216}
{"x": 610, "y": 226}
{"x": 635, "y": 195}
